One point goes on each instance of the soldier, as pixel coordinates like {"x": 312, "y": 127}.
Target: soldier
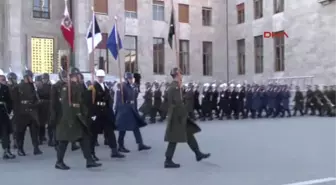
{"x": 230, "y": 101}
{"x": 179, "y": 129}
{"x": 127, "y": 117}
{"x": 248, "y": 104}
{"x": 157, "y": 95}
{"x": 318, "y": 100}
{"x": 206, "y": 103}
{"x": 44, "y": 91}
{"x": 6, "y": 107}
{"x": 72, "y": 125}
{"x": 197, "y": 105}
{"x": 223, "y": 103}
{"x": 13, "y": 87}
{"x": 271, "y": 94}
{"x": 278, "y": 102}
{"x": 285, "y": 100}
{"x": 103, "y": 116}
{"x": 298, "y": 100}
{"x": 164, "y": 107}
{"x": 310, "y": 101}
{"x": 147, "y": 106}
{"x": 263, "y": 102}
{"x": 189, "y": 101}
{"x": 234, "y": 101}
{"x": 214, "y": 100}
{"x": 25, "y": 98}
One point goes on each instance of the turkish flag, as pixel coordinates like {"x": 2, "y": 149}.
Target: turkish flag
{"x": 67, "y": 28}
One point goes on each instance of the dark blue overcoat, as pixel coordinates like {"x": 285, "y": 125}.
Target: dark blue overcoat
{"x": 256, "y": 102}
{"x": 285, "y": 99}
{"x": 127, "y": 116}
{"x": 271, "y": 99}
{"x": 249, "y": 95}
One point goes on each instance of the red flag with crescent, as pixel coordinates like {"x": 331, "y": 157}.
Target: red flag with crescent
{"x": 67, "y": 28}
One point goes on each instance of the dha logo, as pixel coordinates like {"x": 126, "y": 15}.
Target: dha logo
{"x": 268, "y": 34}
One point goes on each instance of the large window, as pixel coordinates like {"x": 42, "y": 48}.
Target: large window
{"x": 259, "y": 54}
{"x": 240, "y": 13}
{"x": 183, "y": 13}
{"x": 207, "y": 58}
{"x": 258, "y": 9}
{"x": 131, "y": 49}
{"x": 158, "y": 56}
{"x": 279, "y": 47}
{"x": 42, "y": 55}
{"x": 241, "y": 56}
{"x": 279, "y": 6}
{"x": 206, "y": 16}
{"x": 131, "y": 7}
{"x": 184, "y": 57}
{"x": 41, "y": 9}
{"x": 101, "y": 6}
{"x": 158, "y": 10}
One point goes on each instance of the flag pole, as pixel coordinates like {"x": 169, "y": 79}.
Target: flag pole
{"x": 175, "y": 38}
{"x": 118, "y": 57}
{"x": 92, "y": 53}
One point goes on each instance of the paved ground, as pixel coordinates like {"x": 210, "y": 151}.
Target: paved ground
{"x": 244, "y": 152}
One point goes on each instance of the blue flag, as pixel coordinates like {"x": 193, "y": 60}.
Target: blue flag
{"x": 113, "y": 44}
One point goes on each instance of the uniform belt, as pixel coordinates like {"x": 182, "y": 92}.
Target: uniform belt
{"x": 76, "y": 105}
{"x": 99, "y": 103}
{"x": 129, "y": 102}
{"x": 26, "y": 102}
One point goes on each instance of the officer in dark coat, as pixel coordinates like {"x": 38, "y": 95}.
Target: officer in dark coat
{"x": 223, "y": 103}
{"x": 310, "y": 101}
{"x": 164, "y": 105}
{"x": 189, "y": 101}
{"x": 241, "y": 100}
{"x": 72, "y": 125}
{"x": 248, "y": 103}
{"x": 127, "y": 117}
{"x": 234, "y": 102}
{"x": 206, "y": 102}
{"x": 214, "y": 100}
{"x": 298, "y": 101}
{"x": 102, "y": 116}
{"x": 25, "y": 98}
{"x": 197, "y": 105}
{"x": 285, "y": 100}
{"x": 263, "y": 102}
{"x": 44, "y": 91}
{"x": 13, "y": 88}
{"x": 318, "y": 100}
{"x": 256, "y": 102}
{"x": 180, "y": 129}
{"x": 147, "y": 106}
{"x": 157, "y": 96}
{"x": 6, "y": 107}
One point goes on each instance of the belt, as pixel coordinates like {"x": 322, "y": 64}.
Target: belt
{"x": 99, "y": 103}
{"x": 129, "y": 102}
{"x": 26, "y": 102}
{"x": 76, "y": 105}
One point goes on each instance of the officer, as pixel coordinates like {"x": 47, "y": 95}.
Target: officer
{"x": 231, "y": 101}
{"x": 285, "y": 100}
{"x": 127, "y": 117}
{"x": 256, "y": 101}
{"x": 189, "y": 101}
{"x": 278, "y": 102}
{"x": 214, "y": 100}
{"x": 164, "y": 104}
{"x": 5, "y": 123}
{"x": 180, "y": 128}
{"x": 298, "y": 100}
{"x": 206, "y": 103}
{"x": 43, "y": 92}
{"x": 72, "y": 125}
{"x": 147, "y": 106}
{"x": 103, "y": 117}
{"x": 271, "y": 100}
{"x": 234, "y": 101}
{"x": 263, "y": 101}
{"x": 27, "y": 100}
{"x": 241, "y": 99}
{"x": 197, "y": 105}
{"x": 157, "y": 95}
{"x": 310, "y": 101}
{"x": 248, "y": 103}
{"x": 13, "y": 88}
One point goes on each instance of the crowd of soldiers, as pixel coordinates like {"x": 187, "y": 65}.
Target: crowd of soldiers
{"x": 240, "y": 101}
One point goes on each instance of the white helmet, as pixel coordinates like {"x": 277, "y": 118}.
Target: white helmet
{"x": 100, "y": 73}
{"x": 206, "y": 85}
{"x": 238, "y": 86}
{"x": 2, "y": 73}
{"x": 232, "y": 85}
{"x": 52, "y": 81}
{"x": 213, "y": 85}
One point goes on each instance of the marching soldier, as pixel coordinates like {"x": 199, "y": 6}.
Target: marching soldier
{"x": 214, "y": 100}
{"x": 241, "y": 100}
{"x": 248, "y": 104}
{"x": 206, "y": 103}
{"x": 285, "y": 100}
{"x": 318, "y": 98}
{"x": 271, "y": 95}
{"x": 263, "y": 102}
{"x": 230, "y": 100}
{"x": 189, "y": 101}
{"x": 5, "y": 124}
{"x": 72, "y": 126}
{"x": 25, "y": 98}
{"x": 197, "y": 105}
{"x": 223, "y": 101}
{"x": 278, "y": 103}
{"x": 147, "y": 105}
{"x": 179, "y": 129}
{"x": 157, "y": 101}
{"x": 164, "y": 107}
{"x": 103, "y": 117}
{"x": 234, "y": 102}
{"x": 13, "y": 87}
{"x": 299, "y": 101}
{"x": 310, "y": 101}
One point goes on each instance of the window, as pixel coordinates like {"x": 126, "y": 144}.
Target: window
{"x": 258, "y": 9}
{"x": 240, "y": 13}
{"x": 241, "y": 56}
{"x": 279, "y": 6}
{"x": 259, "y": 54}
{"x": 42, "y": 55}
{"x": 158, "y": 56}
{"x": 183, "y": 13}
{"x": 279, "y": 46}
{"x": 41, "y": 9}
{"x": 207, "y": 58}
{"x": 101, "y": 6}
{"x": 131, "y": 49}
{"x": 206, "y": 16}
{"x": 184, "y": 57}
{"x": 131, "y": 9}
{"x": 158, "y": 10}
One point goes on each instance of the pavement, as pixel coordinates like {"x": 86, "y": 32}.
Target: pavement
{"x": 286, "y": 151}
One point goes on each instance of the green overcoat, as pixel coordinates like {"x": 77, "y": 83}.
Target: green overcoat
{"x": 178, "y": 123}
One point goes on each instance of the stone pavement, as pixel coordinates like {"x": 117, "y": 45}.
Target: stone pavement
{"x": 244, "y": 152}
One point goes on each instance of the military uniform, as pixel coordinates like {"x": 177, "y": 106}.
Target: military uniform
{"x": 147, "y": 106}
{"x": 310, "y": 102}
{"x": 189, "y": 101}
{"x": 298, "y": 102}
{"x": 197, "y": 105}
{"x": 206, "y": 102}
{"x": 56, "y": 109}
{"x": 12, "y": 86}
{"x": 157, "y": 96}
{"x": 164, "y": 105}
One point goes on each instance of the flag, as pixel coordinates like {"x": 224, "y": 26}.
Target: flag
{"x": 113, "y": 44}
{"x": 96, "y": 37}
{"x": 67, "y": 28}
{"x": 171, "y": 32}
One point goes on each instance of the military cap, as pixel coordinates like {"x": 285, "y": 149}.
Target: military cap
{"x": 128, "y": 75}
{"x": 11, "y": 76}
{"x": 174, "y": 72}
{"x": 27, "y": 73}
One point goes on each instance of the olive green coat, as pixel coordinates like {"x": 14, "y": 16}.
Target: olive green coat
{"x": 178, "y": 123}
{"x": 71, "y": 125}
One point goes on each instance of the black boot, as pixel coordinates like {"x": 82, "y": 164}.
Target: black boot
{"x": 61, "y": 166}
{"x": 169, "y": 163}
{"x": 94, "y": 157}
{"x": 21, "y": 152}
{"x": 123, "y": 149}
{"x": 143, "y": 147}
{"x": 8, "y": 155}
{"x": 92, "y": 164}
{"x": 200, "y": 156}
{"x": 116, "y": 154}
{"x": 37, "y": 151}
{"x": 74, "y": 146}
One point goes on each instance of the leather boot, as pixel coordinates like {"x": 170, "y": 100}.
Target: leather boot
{"x": 21, "y": 152}
{"x": 94, "y": 157}
{"x": 169, "y": 163}
{"x": 200, "y": 156}
{"x": 61, "y": 166}
{"x": 122, "y": 149}
{"x": 92, "y": 164}
{"x": 116, "y": 154}
{"x": 143, "y": 147}
{"x": 8, "y": 155}
{"x": 37, "y": 151}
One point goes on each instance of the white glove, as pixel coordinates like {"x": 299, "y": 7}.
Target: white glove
{"x": 93, "y": 118}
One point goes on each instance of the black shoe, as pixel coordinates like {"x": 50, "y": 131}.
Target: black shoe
{"x": 123, "y": 150}
{"x": 37, "y": 151}
{"x": 51, "y": 143}
{"x": 95, "y": 158}
{"x": 61, "y": 166}
{"x": 21, "y": 152}
{"x": 117, "y": 155}
{"x": 74, "y": 147}
{"x": 171, "y": 164}
{"x": 92, "y": 164}
{"x": 202, "y": 156}
{"x": 143, "y": 147}
{"x": 8, "y": 155}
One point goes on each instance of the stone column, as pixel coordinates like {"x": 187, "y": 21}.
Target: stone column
{"x": 2, "y": 25}
{"x": 14, "y": 45}
{"x": 82, "y": 14}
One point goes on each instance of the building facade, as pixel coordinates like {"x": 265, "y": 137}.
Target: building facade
{"x": 216, "y": 39}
